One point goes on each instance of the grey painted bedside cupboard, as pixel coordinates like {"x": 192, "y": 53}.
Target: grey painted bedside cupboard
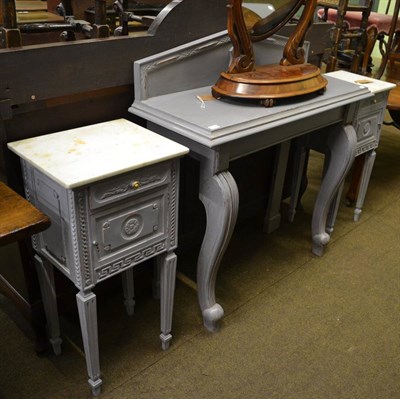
{"x": 111, "y": 192}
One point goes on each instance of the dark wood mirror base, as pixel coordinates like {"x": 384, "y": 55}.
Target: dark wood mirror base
{"x": 270, "y": 82}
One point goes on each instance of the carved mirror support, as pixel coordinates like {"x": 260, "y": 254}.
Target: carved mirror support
{"x": 291, "y": 77}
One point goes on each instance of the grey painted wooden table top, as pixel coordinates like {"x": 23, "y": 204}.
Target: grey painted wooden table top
{"x": 215, "y": 122}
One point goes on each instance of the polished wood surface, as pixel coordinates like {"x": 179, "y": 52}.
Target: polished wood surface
{"x": 18, "y": 218}
{"x": 271, "y": 82}
{"x": 32, "y": 5}
{"x": 394, "y": 99}
{"x": 37, "y": 17}
{"x": 291, "y": 77}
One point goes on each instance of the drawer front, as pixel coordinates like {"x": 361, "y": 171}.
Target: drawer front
{"x": 128, "y": 185}
{"x": 128, "y": 228}
{"x": 378, "y": 101}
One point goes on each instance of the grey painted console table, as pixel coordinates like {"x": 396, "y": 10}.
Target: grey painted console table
{"x": 172, "y": 92}
{"x": 111, "y": 192}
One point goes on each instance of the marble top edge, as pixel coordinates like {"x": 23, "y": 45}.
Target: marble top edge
{"x": 373, "y": 85}
{"x": 73, "y": 183}
{"x": 87, "y": 154}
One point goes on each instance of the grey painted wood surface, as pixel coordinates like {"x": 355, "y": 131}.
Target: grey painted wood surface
{"x": 218, "y": 131}
{"x": 100, "y": 230}
{"x": 367, "y": 122}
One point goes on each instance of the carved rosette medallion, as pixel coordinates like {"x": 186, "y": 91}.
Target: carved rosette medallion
{"x": 367, "y": 128}
{"x": 132, "y": 226}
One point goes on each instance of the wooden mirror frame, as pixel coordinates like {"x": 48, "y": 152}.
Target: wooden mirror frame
{"x": 266, "y": 83}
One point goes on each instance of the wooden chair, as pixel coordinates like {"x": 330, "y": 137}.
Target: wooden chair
{"x": 389, "y": 65}
{"x": 342, "y": 32}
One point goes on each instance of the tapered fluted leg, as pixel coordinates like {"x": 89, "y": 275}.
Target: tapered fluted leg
{"x": 220, "y": 197}
{"x": 129, "y": 291}
{"x": 167, "y": 264}
{"x": 46, "y": 281}
{"x": 87, "y": 310}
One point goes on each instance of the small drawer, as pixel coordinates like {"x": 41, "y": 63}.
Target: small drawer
{"x": 377, "y": 102}
{"x": 372, "y": 106}
{"x": 128, "y": 185}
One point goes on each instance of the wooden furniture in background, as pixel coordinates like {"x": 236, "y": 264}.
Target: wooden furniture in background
{"x": 388, "y": 70}
{"x": 357, "y": 35}
{"x": 19, "y": 219}
{"x": 378, "y": 34}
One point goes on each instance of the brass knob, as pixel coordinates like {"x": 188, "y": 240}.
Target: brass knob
{"x": 135, "y": 185}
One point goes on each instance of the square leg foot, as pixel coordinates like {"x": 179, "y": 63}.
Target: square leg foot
{"x": 95, "y": 386}
{"x": 165, "y": 341}
{"x": 56, "y": 344}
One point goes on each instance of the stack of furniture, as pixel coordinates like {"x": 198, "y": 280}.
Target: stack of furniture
{"x": 355, "y": 36}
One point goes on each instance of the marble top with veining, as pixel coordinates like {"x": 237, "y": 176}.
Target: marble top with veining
{"x": 84, "y": 155}
{"x": 373, "y": 85}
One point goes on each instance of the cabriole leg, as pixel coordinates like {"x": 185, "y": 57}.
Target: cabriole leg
{"x": 341, "y": 146}
{"x": 220, "y": 197}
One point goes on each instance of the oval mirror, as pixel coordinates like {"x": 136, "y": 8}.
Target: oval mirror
{"x": 272, "y": 16}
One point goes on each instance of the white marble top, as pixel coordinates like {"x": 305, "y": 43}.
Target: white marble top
{"x": 373, "y": 85}
{"x": 84, "y": 155}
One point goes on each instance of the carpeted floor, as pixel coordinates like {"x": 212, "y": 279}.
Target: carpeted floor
{"x": 296, "y": 326}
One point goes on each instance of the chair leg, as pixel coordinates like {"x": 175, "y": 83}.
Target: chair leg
{"x": 352, "y": 192}
{"x": 47, "y": 287}
{"x": 298, "y": 168}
